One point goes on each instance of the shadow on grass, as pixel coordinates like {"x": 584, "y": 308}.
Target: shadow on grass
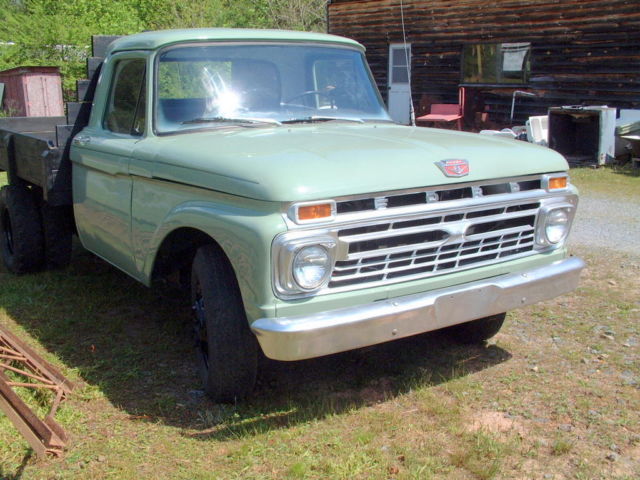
{"x": 17, "y": 475}
{"x": 626, "y": 169}
{"x": 133, "y": 345}
{"x": 297, "y": 392}
{"x": 620, "y": 168}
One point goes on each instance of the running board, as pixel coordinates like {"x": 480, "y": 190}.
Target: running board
{"x": 44, "y": 436}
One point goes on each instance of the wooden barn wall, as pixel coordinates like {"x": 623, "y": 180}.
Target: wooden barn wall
{"x": 583, "y": 51}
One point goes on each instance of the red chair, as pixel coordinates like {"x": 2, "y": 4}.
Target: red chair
{"x": 446, "y": 112}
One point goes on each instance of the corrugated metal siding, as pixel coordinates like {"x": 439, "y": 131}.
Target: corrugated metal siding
{"x": 583, "y": 51}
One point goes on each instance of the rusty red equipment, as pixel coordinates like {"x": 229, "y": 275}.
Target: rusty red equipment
{"x": 44, "y": 436}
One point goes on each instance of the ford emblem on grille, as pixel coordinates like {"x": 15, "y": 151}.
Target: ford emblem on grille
{"x": 454, "y": 167}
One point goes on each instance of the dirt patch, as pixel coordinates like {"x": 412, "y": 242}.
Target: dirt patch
{"x": 495, "y": 422}
{"x": 625, "y": 462}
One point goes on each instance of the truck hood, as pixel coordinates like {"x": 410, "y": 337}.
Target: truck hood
{"x": 309, "y": 162}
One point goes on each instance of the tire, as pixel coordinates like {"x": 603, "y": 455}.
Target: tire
{"x": 226, "y": 350}
{"x": 476, "y": 331}
{"x": 57, "y": 233}
{"x": 21, "y": 240}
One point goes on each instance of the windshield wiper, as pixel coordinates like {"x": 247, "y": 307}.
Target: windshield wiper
{"x": 317, "y": 118}
{"x": 239, "y": 120}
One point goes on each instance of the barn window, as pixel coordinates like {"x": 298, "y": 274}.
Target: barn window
{"x": 496, "y": 63}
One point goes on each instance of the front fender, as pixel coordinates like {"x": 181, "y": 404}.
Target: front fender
{"x": 243, "y": 228}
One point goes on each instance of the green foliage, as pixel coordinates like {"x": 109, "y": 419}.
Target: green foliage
{"x": 185, "y": 79}
{"x": 296, "y": 14}
{"x": 58, "y": 32}
{"x": 160, "y": 14}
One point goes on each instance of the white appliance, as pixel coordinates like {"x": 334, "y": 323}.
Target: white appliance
{"x": 585, "y": 135}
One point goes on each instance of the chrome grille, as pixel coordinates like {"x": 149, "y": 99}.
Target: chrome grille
{"x": 433, "y": 244}
{"x": 422, "y": 197}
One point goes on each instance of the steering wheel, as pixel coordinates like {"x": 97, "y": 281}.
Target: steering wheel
{"x": 321, "y": 93}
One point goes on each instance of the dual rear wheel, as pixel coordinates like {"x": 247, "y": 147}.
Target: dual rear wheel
{"x": 33, "y": 234}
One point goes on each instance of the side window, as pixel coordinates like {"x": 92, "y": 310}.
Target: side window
{"x": 126, "y": 108}
{"x": 496, "y": 63}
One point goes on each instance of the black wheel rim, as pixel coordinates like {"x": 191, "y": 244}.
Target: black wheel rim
{"x": 8, "y": 234}
{"x": 200, "y": 328}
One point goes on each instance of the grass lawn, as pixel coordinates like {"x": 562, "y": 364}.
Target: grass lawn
{"x": 554, "y": 395}
{"x": 621, "y": 181}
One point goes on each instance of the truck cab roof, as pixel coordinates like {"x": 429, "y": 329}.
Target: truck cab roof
{"x": 157, "y": 39}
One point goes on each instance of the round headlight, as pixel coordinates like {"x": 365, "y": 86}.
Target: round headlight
{"x": 311, "y": 266}
{"x": 556, "y": 225}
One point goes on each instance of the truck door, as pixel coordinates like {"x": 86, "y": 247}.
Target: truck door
{"x": 101, "y": 154}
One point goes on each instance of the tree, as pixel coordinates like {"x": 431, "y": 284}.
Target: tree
{"x": 297, "y": 14}
{"x": 58, "y": 32}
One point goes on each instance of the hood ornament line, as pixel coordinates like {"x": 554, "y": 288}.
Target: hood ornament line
{"x": 454, "y": 167}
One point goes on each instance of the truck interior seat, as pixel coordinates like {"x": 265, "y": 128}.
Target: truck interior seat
{"x": 178, "y": 110}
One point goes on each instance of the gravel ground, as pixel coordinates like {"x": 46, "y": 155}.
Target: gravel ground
{"x": 604, "y": 221}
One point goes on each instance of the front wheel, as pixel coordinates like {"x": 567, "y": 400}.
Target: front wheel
{"x": 476, "y": 331}
{"x": 226, "y": 350}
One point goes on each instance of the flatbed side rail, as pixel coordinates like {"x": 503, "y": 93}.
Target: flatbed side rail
{"x": 30, "y": 370}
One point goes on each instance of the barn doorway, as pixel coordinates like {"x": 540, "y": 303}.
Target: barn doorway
{"x": 399, "y": 86}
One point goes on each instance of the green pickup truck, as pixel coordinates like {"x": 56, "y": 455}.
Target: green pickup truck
{"x": 262, "y": 169}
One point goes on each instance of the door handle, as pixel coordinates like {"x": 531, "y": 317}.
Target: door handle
{"x": 82, "y": 140}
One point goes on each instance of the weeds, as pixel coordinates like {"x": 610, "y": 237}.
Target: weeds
{"x": 561, "y": 446}
{"x": 481, "y": 454}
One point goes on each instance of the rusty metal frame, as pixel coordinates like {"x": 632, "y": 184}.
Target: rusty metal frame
{"x": 44, "y": 436}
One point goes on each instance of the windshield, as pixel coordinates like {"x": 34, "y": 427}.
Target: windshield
{"x": 214, "y": 85}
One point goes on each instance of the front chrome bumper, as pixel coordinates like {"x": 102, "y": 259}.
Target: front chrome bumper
{"x": 324, "y": 333}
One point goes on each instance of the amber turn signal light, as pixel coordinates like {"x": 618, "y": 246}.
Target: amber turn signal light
{"x": 556, "y": 183}
{"x": 314, "y": 212}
